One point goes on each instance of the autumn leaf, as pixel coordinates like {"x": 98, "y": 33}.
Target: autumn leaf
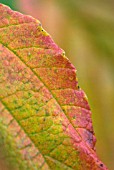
{"x": 45, "y": 118}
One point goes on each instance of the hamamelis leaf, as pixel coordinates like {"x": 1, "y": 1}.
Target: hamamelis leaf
{"x": 45, "y": 119}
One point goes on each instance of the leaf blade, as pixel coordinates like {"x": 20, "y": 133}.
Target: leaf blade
{"x": 35, "y": 93}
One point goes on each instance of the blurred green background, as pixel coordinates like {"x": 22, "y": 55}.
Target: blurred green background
{"x": 85, "y": 30}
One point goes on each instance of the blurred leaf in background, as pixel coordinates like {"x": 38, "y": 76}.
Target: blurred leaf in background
{"x": 11, "y": 3}
{"x": 85, "y": 30}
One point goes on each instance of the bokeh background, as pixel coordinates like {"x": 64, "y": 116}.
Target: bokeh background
{"x": 85, "y": 30}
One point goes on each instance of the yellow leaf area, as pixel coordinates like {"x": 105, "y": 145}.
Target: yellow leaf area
{"x": 44, "y": 115}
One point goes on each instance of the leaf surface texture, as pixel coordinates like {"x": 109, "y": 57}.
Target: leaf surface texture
{"x": 43, "y": 112}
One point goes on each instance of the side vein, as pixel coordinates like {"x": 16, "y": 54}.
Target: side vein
{"x": 23, "y": 130}
{"x": 14, "y": 52}
{"x": 41, "y": 81}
